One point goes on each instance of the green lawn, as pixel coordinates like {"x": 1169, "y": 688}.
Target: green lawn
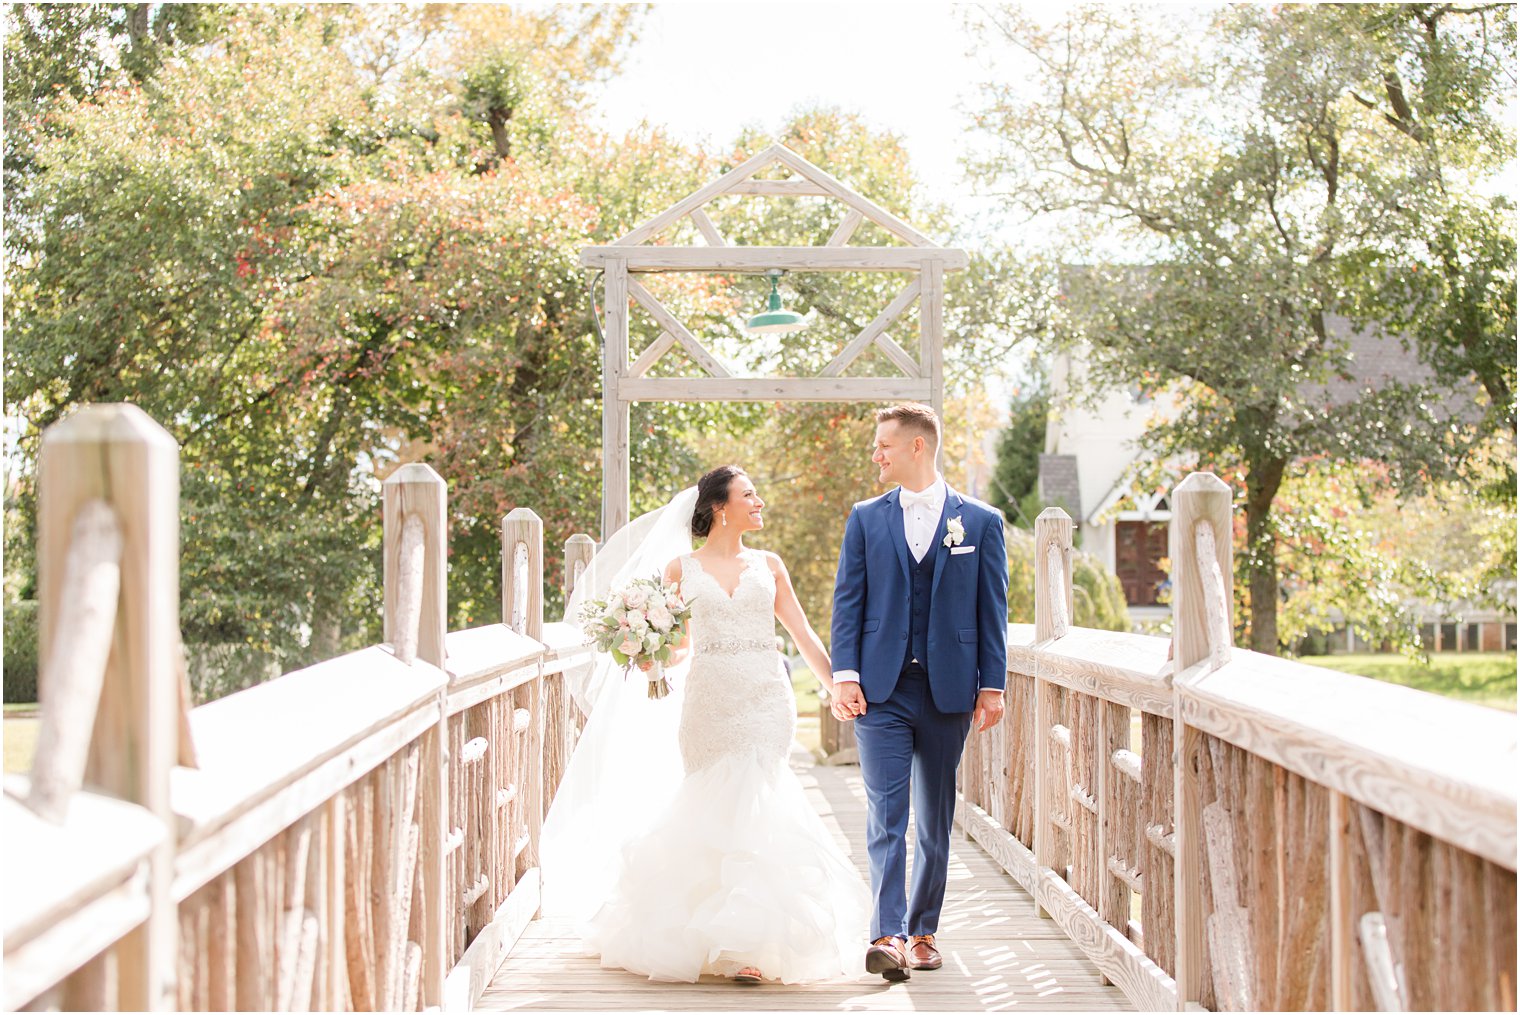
{"x": 20, "y": 742}
{"x": 805, "y": 688}
{"x": 1486, "y": 678}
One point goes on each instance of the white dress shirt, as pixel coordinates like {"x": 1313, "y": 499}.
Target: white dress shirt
{"x": 921, "y": 513}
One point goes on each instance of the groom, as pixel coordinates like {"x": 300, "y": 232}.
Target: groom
{"x": 920, "y": 653}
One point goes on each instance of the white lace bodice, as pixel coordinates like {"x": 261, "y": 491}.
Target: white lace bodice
{"x": 737, "y": 698}
{"x": 724, "y": 622}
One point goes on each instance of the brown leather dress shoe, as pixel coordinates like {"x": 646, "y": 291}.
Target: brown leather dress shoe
{"x": 885, "y": 956}
{"x": 922, "y": 954}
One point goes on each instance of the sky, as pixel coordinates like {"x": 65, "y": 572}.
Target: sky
{"x": 705, "y": 70}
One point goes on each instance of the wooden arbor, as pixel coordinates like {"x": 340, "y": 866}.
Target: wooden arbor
{"x": 623, "y": 383}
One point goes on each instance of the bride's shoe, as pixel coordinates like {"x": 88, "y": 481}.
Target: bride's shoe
{"x": 749, "y": 974}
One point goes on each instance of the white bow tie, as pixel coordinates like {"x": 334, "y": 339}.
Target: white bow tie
{"x": 924, "y": 497}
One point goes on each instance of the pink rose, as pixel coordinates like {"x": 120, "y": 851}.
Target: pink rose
{"x": 635, "y": 598}
{"x": 630, "y": 647}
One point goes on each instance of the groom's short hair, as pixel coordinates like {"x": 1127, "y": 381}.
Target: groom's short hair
{"x": 917, "y": 419}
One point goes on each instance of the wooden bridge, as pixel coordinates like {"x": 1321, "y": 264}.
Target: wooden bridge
{"x": 1203, "y": 825}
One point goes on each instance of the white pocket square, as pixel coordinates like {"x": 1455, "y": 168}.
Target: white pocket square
{"x": 961, "y": 549}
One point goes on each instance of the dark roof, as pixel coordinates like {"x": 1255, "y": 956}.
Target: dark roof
{"x": 1059, "y": 483}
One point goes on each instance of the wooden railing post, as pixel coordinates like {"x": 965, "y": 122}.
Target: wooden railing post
{"x": 522, "y": 607}
{"x": 119, "y": 460}
{"x": 1052, "y": 574}
{"x": 522, "y": 570}
{"x": 579, "y": 549}
{"x": 1052, "y": 617}
{"x": 416, "y": 540}
{"x": 563, "y": 718}
{"x": 1199, "y": 592}
{"x": 415, "y": 516}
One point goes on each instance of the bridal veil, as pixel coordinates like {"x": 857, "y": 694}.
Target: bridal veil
{"x": 627, "y": 764}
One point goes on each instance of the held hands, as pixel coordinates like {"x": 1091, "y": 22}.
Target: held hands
{"x": 989, "y": 710}
{"x": 849, "y": 702}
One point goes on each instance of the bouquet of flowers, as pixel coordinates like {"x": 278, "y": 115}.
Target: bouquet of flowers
{"x": 639, "y": 623}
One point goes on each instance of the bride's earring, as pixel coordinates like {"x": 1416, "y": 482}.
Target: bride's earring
{"x": 724, "y": 518}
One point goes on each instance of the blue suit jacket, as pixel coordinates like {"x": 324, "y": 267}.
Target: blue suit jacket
{"x": 968, "y": 619}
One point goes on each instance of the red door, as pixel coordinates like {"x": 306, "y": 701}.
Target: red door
{"x": 1139, "y": 548}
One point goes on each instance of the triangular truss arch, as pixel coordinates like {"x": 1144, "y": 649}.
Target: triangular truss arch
{"x": 625, "y": 382}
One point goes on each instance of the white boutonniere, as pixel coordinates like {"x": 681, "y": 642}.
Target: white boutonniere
{"x": 955, "y": 532}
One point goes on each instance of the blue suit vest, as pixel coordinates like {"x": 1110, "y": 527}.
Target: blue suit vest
{"x": 921, "y": 599}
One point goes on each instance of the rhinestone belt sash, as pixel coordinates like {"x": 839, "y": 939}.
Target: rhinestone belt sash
{"x": 737, "y": 645}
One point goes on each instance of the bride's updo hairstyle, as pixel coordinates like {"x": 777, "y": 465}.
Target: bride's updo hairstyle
{"x": 712, "y": 493}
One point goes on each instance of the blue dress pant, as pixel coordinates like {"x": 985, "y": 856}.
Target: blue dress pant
{"x": 909, "y": 749}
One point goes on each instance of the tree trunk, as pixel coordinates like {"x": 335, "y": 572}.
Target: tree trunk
{"x": 326, "y": 629}
{"x": 497, "y": 117}
{"x": 1263, "y": 478}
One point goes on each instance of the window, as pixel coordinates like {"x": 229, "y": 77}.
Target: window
{"x": 1139, "y": 548}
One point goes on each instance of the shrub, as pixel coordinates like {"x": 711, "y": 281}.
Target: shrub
{"x": 21, "y": 651}
{"x": 1097, "y": 596}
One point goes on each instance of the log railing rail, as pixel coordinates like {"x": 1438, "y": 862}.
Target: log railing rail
{"x": 1213, "y": 827}
{"x": 358, "y": 834}
{"x": 1289, "y": 837}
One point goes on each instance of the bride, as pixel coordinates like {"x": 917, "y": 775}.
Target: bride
{"x": 680, "y": 840}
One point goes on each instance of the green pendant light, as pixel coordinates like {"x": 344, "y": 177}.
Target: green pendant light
{"x": 775, "y": 321}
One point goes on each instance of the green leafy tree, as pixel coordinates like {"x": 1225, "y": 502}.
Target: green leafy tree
{"x": 71, "y": 51}
{"x": 1444, "y": 78}
{"x": 1016, "y": 478}
{"x": 309, "y": 274}
{"x": 1236, "y": 164}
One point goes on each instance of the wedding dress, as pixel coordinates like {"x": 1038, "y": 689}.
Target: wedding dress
{"x": 681, "y": 841}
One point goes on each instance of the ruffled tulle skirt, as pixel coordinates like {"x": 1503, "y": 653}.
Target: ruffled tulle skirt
{"x": 738, "y": 871}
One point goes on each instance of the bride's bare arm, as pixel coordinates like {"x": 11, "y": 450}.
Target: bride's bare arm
{"x": 789, "y": 612}
{"x": 672, "y": 576}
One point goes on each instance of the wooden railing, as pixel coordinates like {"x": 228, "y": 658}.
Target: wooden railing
{"x": 359, "y": 834}
{"x": 363, "y": 833}
{"x": 1289, "y": 837}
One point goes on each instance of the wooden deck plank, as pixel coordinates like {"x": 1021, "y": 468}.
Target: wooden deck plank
{"x": 999, "y": 954}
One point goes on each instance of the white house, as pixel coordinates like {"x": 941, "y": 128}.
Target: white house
{"x": 1090, "y": 447}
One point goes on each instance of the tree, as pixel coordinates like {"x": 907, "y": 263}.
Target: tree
{"x": 308, "y": 274}
{"x": 70, "y": 52}
{"x": 1449, "y": 286}
{"x": 1016, "y": 479}
{"x": 1248, "y": 185}
{"x": 142, "y": 275}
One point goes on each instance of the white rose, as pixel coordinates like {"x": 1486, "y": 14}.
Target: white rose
{"x": 660, "y": 618}
{"x": 652, "y": 643}
{"x": 634, "y": 598}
